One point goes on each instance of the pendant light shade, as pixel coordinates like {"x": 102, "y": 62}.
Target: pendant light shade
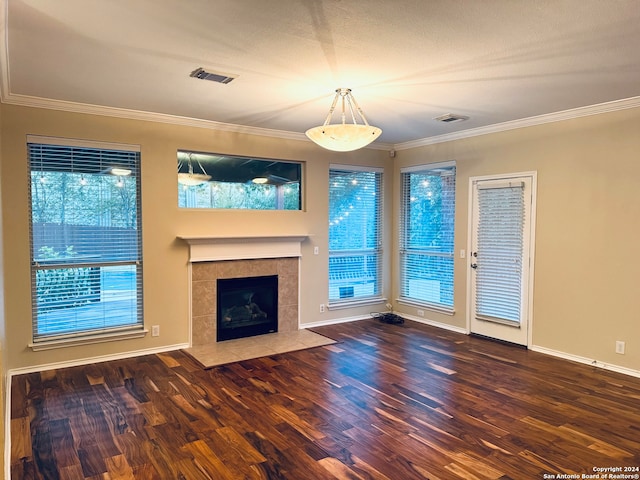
{"x": 192, "y": 179}
{"x": 344, "y": 137}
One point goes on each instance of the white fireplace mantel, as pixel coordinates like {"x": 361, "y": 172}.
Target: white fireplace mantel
{"x": 212, "y": 248}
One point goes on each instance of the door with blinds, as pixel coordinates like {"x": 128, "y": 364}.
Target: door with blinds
{"x": 500, "y": 256}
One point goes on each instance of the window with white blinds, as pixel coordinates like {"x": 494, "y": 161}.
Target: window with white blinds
{"x": 355, "y": 247}
{"x": 86, "y": 256}
{"x": 427, "y": 235}
{"x": 499, "y": 246}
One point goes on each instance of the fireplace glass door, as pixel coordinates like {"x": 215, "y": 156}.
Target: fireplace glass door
{"x": 247, "y": 307}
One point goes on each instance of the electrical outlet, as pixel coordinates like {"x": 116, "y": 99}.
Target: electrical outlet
{"x": 421, "y": 313}
{"x": 155, "y": 331}
{"x": 322, "y": 308}
{"x": 620, "y": 347}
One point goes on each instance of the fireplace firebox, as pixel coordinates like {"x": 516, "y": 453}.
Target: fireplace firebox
{"x": 246, "y": 306}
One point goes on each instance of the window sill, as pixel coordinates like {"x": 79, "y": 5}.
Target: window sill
{"x": 356, "y": 303}
{"x": 88, "y": 340}
{"x": 427, "y": 306}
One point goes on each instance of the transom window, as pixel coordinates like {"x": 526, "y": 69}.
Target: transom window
{"x": 427, "y": 235}
{"x": 207, "y": 180}
{"x": 355, "y": 246}
{"x": 86, "y": 256}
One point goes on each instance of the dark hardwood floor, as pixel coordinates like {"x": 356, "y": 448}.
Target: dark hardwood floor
{"x": 387, "y": 402}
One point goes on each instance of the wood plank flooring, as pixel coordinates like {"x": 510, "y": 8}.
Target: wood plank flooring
{"x": 387, "y": 402}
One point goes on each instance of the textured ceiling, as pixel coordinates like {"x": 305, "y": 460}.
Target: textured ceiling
{"x": 407, "y": 62}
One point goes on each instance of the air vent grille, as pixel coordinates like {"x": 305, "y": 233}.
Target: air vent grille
{"x": 202, "y": 74}
{"x": 451, "y": 118}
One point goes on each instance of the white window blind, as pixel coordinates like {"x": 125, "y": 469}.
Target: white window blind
{"x": 427, "y": 235}
{"x": 86, "y": 257}
{"x": 499, "y": 252}
{"x": 355, "y": 252}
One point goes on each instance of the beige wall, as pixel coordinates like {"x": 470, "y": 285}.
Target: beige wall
{"x": 587, "y": 230}
{"x": 166, "y": 301}
{"x": 588, "y": 203}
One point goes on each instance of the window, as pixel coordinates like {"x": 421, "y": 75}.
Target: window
{"x": 219, "y": 181}
{"x": 355, "y": 253}
{"x": 427, "y": 235}
{"x": 86, "y": 260}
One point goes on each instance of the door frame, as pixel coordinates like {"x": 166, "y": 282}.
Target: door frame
{"x": 533, "y": 175}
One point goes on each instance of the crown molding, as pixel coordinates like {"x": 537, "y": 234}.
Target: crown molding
{"x": 62, "y": 105}
{"x": 100, "y": 110}
{"x": 597, "y": 109}
{"x": 75, "y": 107}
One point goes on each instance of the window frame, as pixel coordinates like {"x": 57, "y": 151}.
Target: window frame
{"x": 218, "y": 189}
{"x": 101, "y": 330}
{"x": 405, "y": 234}
{"x": 375, "y": 251}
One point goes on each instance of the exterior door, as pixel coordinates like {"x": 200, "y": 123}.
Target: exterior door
{"x": 500, "y": 256}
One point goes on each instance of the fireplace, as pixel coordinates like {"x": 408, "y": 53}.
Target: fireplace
{"x": 216, "y": 258}
{"x": 246, "y": 307}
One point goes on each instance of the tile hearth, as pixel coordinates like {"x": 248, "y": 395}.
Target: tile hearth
{"x": 220, "y": 353}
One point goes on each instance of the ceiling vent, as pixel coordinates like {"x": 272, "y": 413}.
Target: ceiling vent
{"x": 202, "y": 74}
{"x": 451, "y": 118}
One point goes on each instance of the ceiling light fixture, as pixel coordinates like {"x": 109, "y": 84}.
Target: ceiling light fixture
{"x": 260, "y": 180}
{"x": 344, "y": 137}
{"x": 191, "y": 179}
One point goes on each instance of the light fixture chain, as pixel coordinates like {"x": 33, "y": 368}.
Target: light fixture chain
{"x": 364, "y": 119}
{"x": 333, "y": 107}
{"x": 201, "y": 167}
{"x": 350, "y": 103}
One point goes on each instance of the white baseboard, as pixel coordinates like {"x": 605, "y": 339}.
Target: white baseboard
{"x": 87, "y": 361}
{"x": 334, "y": 321}
{"x": 426, "y": 321}
{"x": 587, "y": 361}
{"x": 547, "y": 351}
{"x": 433, "y": 323}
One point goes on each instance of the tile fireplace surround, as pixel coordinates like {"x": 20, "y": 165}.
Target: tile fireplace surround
{"x": 212, "y": 258}
{"x": 204, "y": 276}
